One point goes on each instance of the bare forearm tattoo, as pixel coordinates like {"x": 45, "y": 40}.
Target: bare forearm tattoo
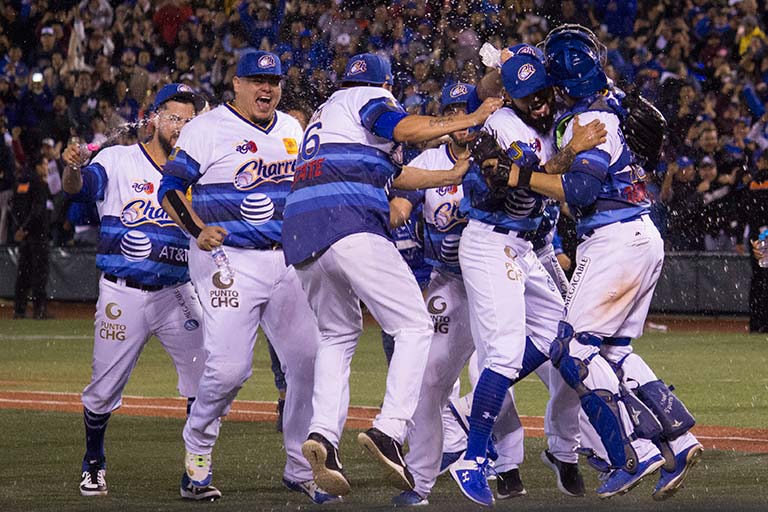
{"x": 442, "y": 121}
{"x": 561, "y": 162}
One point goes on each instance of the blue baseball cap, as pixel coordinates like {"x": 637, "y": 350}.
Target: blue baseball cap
{"x": 181, "y": 91}
{"x": 527, "y": 49}
{"x": 684, "y": 161}
{"x": 368, "y": 68}
{"x": 456, "y": 93}
{"x": 524, "y": 74}
{"x": 259, "y": 63}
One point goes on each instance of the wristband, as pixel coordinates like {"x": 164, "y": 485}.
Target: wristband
{"x": 524, "y": 177}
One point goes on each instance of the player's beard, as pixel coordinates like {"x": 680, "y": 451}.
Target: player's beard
{"x": 166, "y": 143}
{"x": 540, "y": 124}
{"x": 461, "y": 142}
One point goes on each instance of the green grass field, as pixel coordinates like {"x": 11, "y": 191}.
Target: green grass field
{"x": 721, "y": 377}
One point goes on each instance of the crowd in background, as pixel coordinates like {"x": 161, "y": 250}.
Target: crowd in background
{"x": 87, "y": 68}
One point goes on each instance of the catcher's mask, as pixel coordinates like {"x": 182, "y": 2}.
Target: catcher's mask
{"x": 574, "y": 59}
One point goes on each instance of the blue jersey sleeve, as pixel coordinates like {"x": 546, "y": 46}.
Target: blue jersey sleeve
{"x": 380, "y": 116}
{"x": 94, "y": 184}
{"x": 583, "y": 182}
{"x": 415, "y": 197}
{"x": 179, "y": 172}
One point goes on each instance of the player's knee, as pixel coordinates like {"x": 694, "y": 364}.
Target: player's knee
{"x": 229, "y": 376}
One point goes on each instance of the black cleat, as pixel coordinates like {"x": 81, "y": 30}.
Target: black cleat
{"x": 569, "y": 479}
{"x": 389, "y": 453}
{"x": 509, "y": 485}
{"x": 192, "y": 492}
{"x": 93, "y": 481}
{"x": 323, "y": 457}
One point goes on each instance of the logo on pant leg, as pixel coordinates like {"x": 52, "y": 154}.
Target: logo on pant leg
{"x": 224, "y": 297}
{"x": 437, "y": 305}
{"x": 578, "y": 275}
{"x": 113, "y": 311}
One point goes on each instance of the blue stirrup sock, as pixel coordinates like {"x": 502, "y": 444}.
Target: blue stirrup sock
{"x": 95, "y": 427}
{"x": 490, "y": 391}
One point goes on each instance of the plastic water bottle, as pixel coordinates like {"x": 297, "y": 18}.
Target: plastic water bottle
{"x": 490, "y": 55}
{"x": 762, "y": 246}
{"x": 86, "y": 150}
{"x": 221, "y": 260}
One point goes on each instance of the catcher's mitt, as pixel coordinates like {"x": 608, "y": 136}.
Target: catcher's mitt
{"x": 644, "y": 129}
{"x": 485, "y": 148}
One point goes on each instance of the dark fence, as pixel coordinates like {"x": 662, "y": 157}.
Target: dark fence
{"x": 713, "y": 283}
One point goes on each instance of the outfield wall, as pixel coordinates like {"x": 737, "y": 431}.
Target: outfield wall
{"x": 713, "y": 283}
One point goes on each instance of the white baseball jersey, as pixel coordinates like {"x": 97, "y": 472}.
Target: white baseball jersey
{"x": 240, "y": 172}
{"x": 138, "y": 240}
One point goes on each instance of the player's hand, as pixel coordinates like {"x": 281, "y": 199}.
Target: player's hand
{"x": 72, "y": 156}
{"x": 504, "y": 55}
{"x": 210, "y": 237}
{"x": 703, "y": 186}
{"x": 564, "y": 261}
{"x": 488, "y": 107}
{"x": 460, "y": 168}
{"x": 587, "y": 136}
{"x": 759, "y": 254}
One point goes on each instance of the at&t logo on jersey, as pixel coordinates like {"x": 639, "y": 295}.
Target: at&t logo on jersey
{"x": 144, "y": 186}
{"x": 436, "y": 306}
{"x": 255, "y": 172}
{"x": 144, "y": 211}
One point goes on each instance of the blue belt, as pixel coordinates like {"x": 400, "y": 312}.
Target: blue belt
{"x": 525, "y": 235}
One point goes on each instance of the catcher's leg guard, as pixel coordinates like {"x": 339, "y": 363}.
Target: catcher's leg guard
{"x": 674, "y": 417}
{"x": 600, "y": 405}
{"x": 644, "y": 421}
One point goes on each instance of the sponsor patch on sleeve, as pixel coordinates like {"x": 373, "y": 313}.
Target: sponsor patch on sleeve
{"x": 291, "y": 146}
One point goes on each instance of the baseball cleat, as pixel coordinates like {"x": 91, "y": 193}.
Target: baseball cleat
{"x": 461, "y": 408}
{"x": 192, "y": 492}
{"x": 509, "y": 485}
{"x": 93, "y": 481}
{"x": 409, "y": 499}
{"x": 315, "y": 493}
{"x": 671, "y": 481}
{"x": 620, "y": 481}
{"x": 448, "y": 459}
{"x": 569, "y": 479}
{"x": 198, "y": 469}
{"x": 389, "y": 453}
{"x": 471, "y": 477}
{"x": 323, "y": 457}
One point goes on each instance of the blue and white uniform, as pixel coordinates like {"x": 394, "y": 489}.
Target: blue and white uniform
{"x": 240, "y": 174}
{"x": 618, "y": 261}
{"x": 336, "y": 233}
{"x": 144, "y": 288}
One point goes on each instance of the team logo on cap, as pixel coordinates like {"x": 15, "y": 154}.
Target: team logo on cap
{"x": 266, "y": 61}
{"x": 458, "y": 90}
{"x": 184, "y": 88}
{"x": 526, "y": 50}
{"x": 357, "y": 67}
{"x": 526, "y": 71}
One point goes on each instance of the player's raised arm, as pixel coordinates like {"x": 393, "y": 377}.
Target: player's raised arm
{"x": 416, "y": 128}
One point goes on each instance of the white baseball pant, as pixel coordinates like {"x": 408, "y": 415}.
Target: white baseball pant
{"x": 126, "y": 318}
{"x": 366, "y": 267}
{"x": 265, "y": 292}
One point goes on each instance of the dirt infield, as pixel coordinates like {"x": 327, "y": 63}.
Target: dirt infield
{"x": 750, "y": 440}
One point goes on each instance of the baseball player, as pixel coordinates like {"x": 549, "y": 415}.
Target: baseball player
{"x": 619, "y": 261}
{"x": 335, "y": 233}
{"x": 144, "y": 289}
{"x": 239, "y": 159}
{"x": 501, "y": 272}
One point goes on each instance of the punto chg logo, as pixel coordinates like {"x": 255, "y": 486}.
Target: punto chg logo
{"x": 222, "y": 296}
{"x": 436, "y": 307}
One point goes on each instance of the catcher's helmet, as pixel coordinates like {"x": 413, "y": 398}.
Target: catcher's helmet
{"x": 574, "y": 59}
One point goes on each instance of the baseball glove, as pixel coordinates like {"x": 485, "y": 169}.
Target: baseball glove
{"x": 485, "y": 148}
{"x": 644, "y": 129}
